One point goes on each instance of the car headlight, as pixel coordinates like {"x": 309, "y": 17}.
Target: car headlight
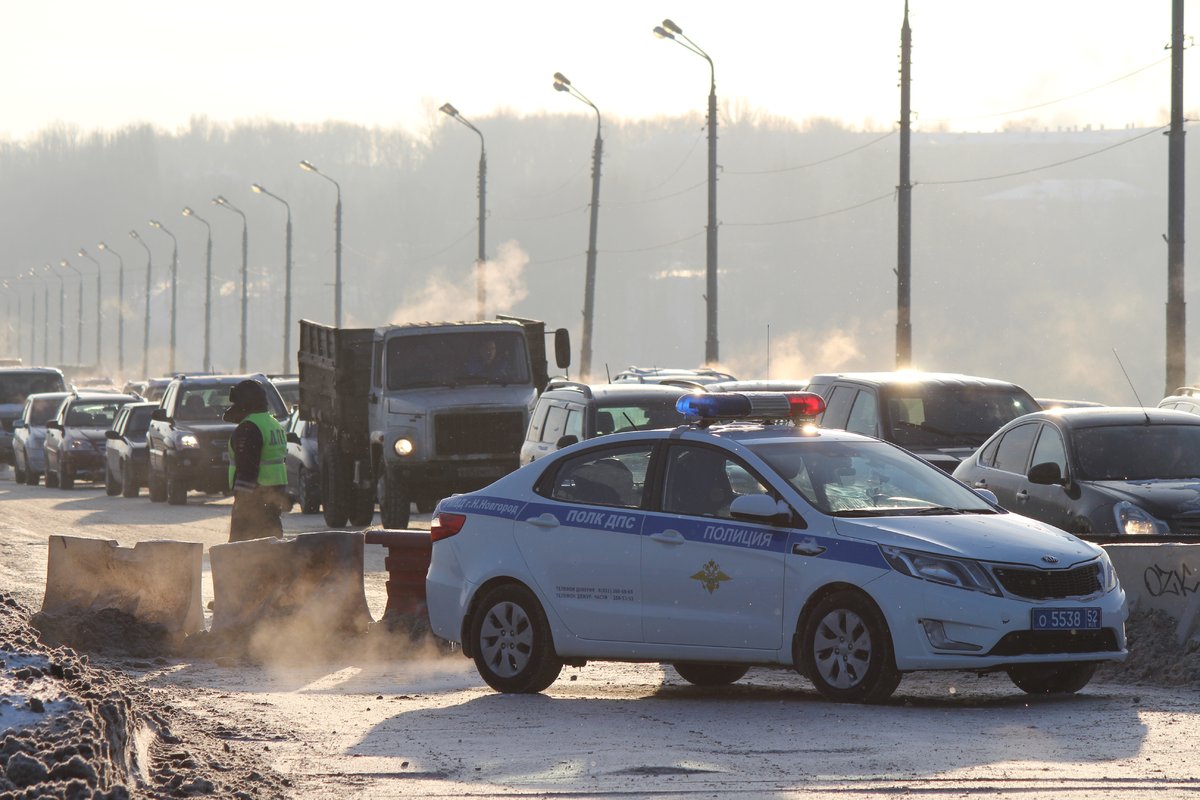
{"x": 961, "y": 572}
{"x": 1108, "y": 573}
{"x": 403, "y": 447}
{"x": 1135, "y": 521}
{"x": 188, "y": 440}
{"x": 79, "y": 444}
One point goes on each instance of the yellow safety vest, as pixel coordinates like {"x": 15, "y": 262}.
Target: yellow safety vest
{"x": 271, "y": 469}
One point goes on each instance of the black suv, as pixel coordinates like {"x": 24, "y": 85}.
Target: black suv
{"x": 941, "y": 417}
{"x": 188, "y": 440}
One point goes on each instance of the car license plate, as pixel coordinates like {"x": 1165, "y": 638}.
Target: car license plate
{"x": 1064, "y": 619}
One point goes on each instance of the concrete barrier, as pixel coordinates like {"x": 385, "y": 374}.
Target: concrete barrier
{"x": 315, "y": 578}
{"x": 1164, "y": 576}
{"x": 407, "y": 562}
{"x": 155, "y": 581}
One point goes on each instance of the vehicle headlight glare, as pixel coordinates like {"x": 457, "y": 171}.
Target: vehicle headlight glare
{"x": 1108, "y": 573}
{"x": 403, "y": 447}
{"x": 1135, "y": 521}
{"x": 79, "y": 444}
{"x": 961, "y": 572}
{"x": 188, "y": 440}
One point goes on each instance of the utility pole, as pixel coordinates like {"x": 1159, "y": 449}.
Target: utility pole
{"x": 904, "y": 208}
{"x": 1176, "y": 309}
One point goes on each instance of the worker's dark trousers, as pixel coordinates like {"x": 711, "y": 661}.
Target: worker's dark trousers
{"x": 256, "y": 513}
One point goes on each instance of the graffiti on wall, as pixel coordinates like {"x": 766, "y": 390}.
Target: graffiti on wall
{"x": 1178, "y": 581}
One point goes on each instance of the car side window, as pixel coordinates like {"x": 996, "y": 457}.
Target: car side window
{"x": 556, "y": 422}
{"x": 702, "y": 481}
{"x": 574, "y": 426}
{"x": 537, "y": 422}
{"x": 1050, "y": 449}
{"x": 1013, "y": 453}
{"x": 119, "y": 422}
{"x": 837, "y": 407}
{"x": 987, "y": 456}
{"x": 864, "y": 416}
{"x": 611, "y": 476}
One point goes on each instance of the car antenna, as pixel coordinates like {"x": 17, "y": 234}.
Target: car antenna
{"x": 607, "y": 374}
{"x": 1131, "y": 387}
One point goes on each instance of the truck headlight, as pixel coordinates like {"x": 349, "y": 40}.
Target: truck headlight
{"x": 1135, "y": 521}
{"x": 961, "y": 572}
{"x": 188, "y": 440}
{"x": 403, "y": 447}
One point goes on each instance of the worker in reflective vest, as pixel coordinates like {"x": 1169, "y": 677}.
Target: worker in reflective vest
{"x": 257, "y": 473}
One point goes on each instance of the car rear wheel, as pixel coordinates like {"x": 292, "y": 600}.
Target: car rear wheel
{"x": 31, "y": 477}
{"x": 66, "y": 475}
{"x": 1059, "y": 678}
{"x": 846, "y": 650}
{"x": 308, "y": 492}
{"x": 158, "y": 488}
{"x": 711, "y": 674}
{"x": 112, "y": 487}
{"x": 129, "y": 487}
{"x": 18, "y": 471}
{"x": 511, "y": 641}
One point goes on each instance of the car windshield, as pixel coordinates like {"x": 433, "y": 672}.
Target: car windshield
{"x": 43, "y": 409}
{"x": 867, "y": 479}
{"x": 16, "y": 386}
{"x": 936, "y": 415}
{"x": 1137, "y": 452}
{"x": 290, "y": 391}
{"x": 470, "y": 356}
{"x": 199, "y": 403}
{"x": 92, "y": 414}
{"x": 637, "y": 416}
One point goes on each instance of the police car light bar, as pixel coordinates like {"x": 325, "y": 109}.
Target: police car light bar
{"x": 750, "y": 406}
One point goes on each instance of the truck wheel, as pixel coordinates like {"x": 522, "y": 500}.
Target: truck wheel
{"x": 129, "y": 487}
{"x": 176, "y": 491}
{"x": 158, "y": 488}
{"x": 111, "y": 487}
{"x": 309, "y": 491}
{"x": 514, "y": 651}
{"x": 333, "y": 496}
{"x": 1062, "y": 678}
{"x": 363, "y": 511}
{"x": 394, "y": 503}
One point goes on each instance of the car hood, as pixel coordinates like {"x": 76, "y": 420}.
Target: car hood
{"x": 93, "y": 435}
{"x": 207, "y": 428}
{"x": 1162, "y": 498}
{"x": 1006, "y": 538}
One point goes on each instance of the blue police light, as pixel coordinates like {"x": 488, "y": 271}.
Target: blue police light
{"x": 750, "y": 405}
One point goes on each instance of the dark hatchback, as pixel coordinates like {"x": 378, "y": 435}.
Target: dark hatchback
{"x": 1100, "y": 473}
{"x": 126, "y": 457}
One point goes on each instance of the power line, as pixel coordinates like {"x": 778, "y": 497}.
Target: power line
{"x": 812, "y": 163}
{"x": 470, "y": 231}
{"x": 684, "y": 190}
{"x": 656, "y": 246}
{"x": 887, "y": 194}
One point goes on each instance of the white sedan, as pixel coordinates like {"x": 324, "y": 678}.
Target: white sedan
{"x": 746, "y": 537}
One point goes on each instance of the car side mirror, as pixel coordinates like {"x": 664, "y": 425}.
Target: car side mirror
{"x": 1046, "y": 474}
{"x": 566, "y": 441}
{"x": 111, "y": 435}
{"x": 293, "y": 438}
{"x": 160, "y": 415}
{"x": 562, "y": 348}
{"x": 760, "y": 508}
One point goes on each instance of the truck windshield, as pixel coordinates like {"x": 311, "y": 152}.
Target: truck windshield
{"x": 471, "y": 356}
{"x": 16, "y": 386}
{"x": 925, "y": 415}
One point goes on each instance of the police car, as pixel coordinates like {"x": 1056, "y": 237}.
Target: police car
{"x": 747, "y": 536}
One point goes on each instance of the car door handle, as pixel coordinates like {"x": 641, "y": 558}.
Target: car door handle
{"x": 668, "y": 537}
{"x": 546, "y": 520}
{"x": 1022, "y": 496}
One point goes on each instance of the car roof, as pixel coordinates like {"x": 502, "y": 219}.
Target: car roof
{"x": 764, "y": 385}
{"x": 51, "y": 395}
{"x": 612, "y": 391}
{"x": 40, "y": 370}
{"x": 95, "y": 396}
{"x": 905, "y": 376}
{"x": 1102, "y": 416}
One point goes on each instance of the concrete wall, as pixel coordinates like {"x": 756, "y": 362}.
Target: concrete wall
{"x": 1160, "y": 576}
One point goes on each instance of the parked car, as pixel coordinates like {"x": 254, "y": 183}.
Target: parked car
{"x": 303, "y": 463}
{"x": 1186, "y": 398}
{"x": 188, "y": 439}
{"x": 126, "y": 455}
{"x": 1096, "y": 472}
{"x": 716, "y": 547}
{"x": 761, "y": 385}
{"x": 289, "y": 389}
{"x": 941, "y": 417}
{"x": 1049, "y": 404}
{"x": 29, "y": 435}
{"x": 16, "y": 384}
{"x": 568, "y": 412}
{"x": 700, "y": 375}
{"x": 75, "y": 438}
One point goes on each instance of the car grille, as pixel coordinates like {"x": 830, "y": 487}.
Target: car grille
{"x": 485, "y": 433}
{"x": 1044, "y": 584}
{"x": 1025, "y": 643}
{"x": 1188, "y": 525}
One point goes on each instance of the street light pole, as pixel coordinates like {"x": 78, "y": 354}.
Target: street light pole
{"x": 669, "y": 30}
{"x": 481, "y": 257}
{"x": 188, "y": 212}
{"x": 174, "y": 289}
{"x": 84, "y": 254}
{"x": 79, "y": 325}
{"x": 62, "y": 294}
{"x": 219, "y": 200}
{"x": 120, "y": 306}
{"x": 561, "y": 84}
{"x": 287, "y": 271}
{"x": 308, "y": 166}
{"x": 146, "y": 330}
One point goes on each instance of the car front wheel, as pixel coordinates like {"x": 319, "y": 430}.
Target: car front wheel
{"x": 112, "y": 486}
{"x": 129, "y": 487}
{"x": 1060, "y": 678}
{"x": 511, "y": 641}
{"x": 157, "y": 488}
{"x": 711, "y": 674}
{"x": 847, "y": 650}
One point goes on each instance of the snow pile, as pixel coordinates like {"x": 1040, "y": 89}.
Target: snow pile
{"x": 1154, "y": 655}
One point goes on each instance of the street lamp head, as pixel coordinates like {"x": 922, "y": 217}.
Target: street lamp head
{"x": 449, "y": 109}
{"x": 220, "y": 200}
{"x": 82, "y": 253}
{"x": 134, "y": 235}
{"x": 102, "y": 246}
{"x": 671, "y": 26}
{"x": 307, "y": 166}
{"x": 64, "y": 263}
{"x": 560, "y": 78}
{"x": 257, "y": 188}
{"x": 561, "y": 87}
{"x": 662, "y": 33}
{"x": 187, "y": 211}
{"x": 155, "y": 224}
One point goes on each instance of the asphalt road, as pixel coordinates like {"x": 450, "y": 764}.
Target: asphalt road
{"x": 391, "y": 722}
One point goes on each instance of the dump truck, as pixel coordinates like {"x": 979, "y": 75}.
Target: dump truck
{"x": 415, "y": 412}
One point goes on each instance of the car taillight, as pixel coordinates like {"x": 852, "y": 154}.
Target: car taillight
{"x": 446, "y": 525}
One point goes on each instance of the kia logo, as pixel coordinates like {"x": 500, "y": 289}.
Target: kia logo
{"x": 1050, "y": 559}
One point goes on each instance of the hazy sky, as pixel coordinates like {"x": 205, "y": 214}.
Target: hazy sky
{"x": 106, "y": 64}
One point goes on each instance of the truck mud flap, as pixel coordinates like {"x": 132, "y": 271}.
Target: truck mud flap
{"x": 154, "y": 581}
{"x": 315, "y": 579}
